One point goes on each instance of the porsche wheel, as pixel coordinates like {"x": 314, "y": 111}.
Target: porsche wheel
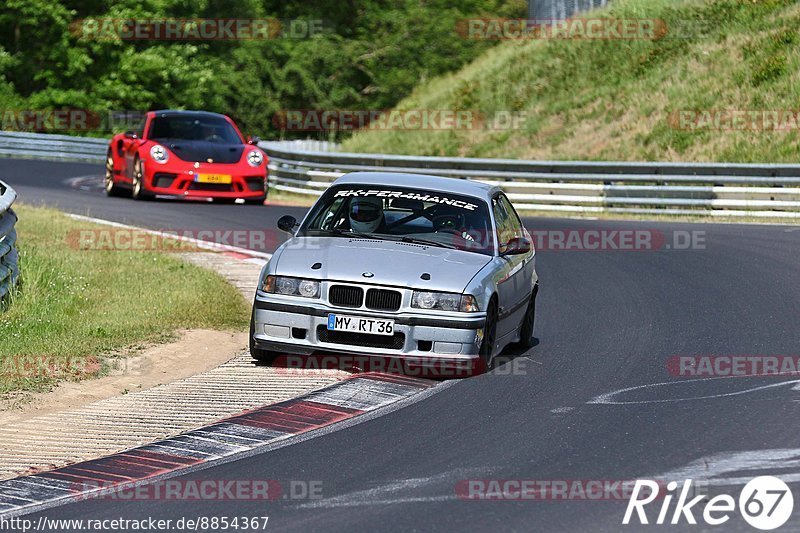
{"x": 112, "y": 189}
{"x": 138, "y": 190}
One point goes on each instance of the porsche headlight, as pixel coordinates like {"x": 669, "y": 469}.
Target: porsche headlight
{"x": 254, "y": 158}
{"x": 444, "y": 301}
{"x": 159, "y": 154}
{"x": 307, "y": 288}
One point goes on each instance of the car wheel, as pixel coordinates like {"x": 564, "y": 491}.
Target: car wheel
{"x": 489, "y": 332}
{"x": 112, "y": 189}
{"x": 528, "y": 321}
{"x": 138, "y": 190}
{"x": 262, "y": 356}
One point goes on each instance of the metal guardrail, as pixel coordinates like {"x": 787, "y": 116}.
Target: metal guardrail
{"x": 9, "y": 257}
{"x": 91, "y": 149}
{"x": 703, "y": 189}
{"x": 49, "y": 146}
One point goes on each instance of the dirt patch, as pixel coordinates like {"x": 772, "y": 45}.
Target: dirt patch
{"x": 194, "y": 352}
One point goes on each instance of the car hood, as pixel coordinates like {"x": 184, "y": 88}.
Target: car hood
{"x": 202, "y": 151}
{"x": 390, "y": 262}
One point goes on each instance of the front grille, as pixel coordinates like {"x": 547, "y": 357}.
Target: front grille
{"x": 345, "y": 296}
{"x": 383, "y": 300}
{"x": 395, "y": 342}
{"x": 220, "y": 187}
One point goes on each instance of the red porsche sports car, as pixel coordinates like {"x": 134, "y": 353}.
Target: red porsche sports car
{"x": 186, "y": 154}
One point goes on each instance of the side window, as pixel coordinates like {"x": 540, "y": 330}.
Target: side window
{"x": 139, "y": 129}
{"x": 501, "y": 218}
{"x": 513, "y": 219}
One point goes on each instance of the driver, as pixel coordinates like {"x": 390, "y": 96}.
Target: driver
{"x": 366, "y": 214}
{"x": 453, "y": 221}
{"x": 208, "y": 132}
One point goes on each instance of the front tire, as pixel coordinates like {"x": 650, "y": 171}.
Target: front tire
{"x": 138, "y": 191}
{"x": 529, "y": 321}
{"x": 489, "y": 336}
{"x": 112, "y": 189}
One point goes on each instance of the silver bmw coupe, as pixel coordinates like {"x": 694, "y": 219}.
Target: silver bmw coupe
{"x": 436, "y": 269}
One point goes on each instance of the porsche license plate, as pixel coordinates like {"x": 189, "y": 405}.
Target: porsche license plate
{"x": 358, "y": 324}
{"x": 213, "y": 178}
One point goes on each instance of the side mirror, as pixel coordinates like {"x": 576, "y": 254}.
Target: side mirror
{"x": 253, "y": 140}
{"x": 131, "y": 135}
{"x": 517, "y": 246}
{"x": 287, "y": 223}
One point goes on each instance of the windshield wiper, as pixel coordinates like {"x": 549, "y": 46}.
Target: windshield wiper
{"x": 350, "y": 233}
{"x": 414, "y": 240}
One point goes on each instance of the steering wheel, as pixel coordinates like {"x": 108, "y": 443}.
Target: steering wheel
{"x": 452, "y": 231}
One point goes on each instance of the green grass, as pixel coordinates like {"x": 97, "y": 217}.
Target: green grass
{"x": 76, "y": 308}
{"x": 617, "y": 99}
{"x": 290, "y": 198}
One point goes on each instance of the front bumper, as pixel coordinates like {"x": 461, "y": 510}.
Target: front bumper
{"x": 178, "y": 180}
{"x": 293, "y": 328}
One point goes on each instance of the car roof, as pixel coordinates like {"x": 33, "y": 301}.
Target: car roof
{"x": 421, "y": 181}
{"x": 186, "y": 112}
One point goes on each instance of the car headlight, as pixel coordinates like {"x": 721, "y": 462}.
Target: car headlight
{"x": 255, "y": 158}
{"x": 444, "y": 301}
{"x": 159, "y": 154}
{"x": 307, "y": 288}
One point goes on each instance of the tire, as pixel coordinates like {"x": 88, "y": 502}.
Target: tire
{"x": 112, "y": 189}
{"x": 489, "y": 336}
{"x": 529, "y": 321}
{"x": 262, "y": 356}
{"x": 138, "y": 191}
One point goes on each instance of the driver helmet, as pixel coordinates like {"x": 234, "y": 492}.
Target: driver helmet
{"x": 366, "y": 214}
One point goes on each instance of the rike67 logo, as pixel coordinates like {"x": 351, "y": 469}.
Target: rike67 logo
{"x": 765, "y": 503}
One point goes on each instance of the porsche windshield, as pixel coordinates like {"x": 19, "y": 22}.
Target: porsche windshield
{"x": 410, "y": 215}
{"x": 193, "y": 128}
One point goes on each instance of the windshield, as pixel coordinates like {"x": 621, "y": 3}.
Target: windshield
{"x": 402, "y": 214}
{"x": 193, "y": 128}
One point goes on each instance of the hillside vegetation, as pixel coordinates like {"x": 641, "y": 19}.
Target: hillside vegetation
{"x": 629, "y": 99}
{"x": 65, "y": 54}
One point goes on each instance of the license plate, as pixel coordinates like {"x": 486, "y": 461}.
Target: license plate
{"x": 358, "y": 324}
{"x": 213, "y": 178}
